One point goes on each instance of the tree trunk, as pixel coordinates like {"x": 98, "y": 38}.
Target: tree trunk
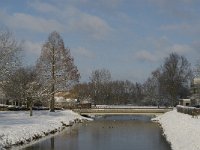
{"x": 52, "y": 99}
{"x": 53, "y": 83}
{"x": 31, "y": 110}
{"x": 29, "y": 99}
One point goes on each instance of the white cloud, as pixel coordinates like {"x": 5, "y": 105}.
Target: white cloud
{"x": 29, "y": 22}
{"x": 32, "y": 48}
{"x": 75, "y": 19}
{"x": 163, "y": 3}
{"x": 107, "y": 4}
{"x": 175, "y": 27}
{"x": 196, "y": 45}
{"x": 161, "y": 48}
{"x": 182, "y": 49}
{"x": 43, "y": 7}
{"x": 90, "y": 24}
{"x": 35, "y": 23}
{"x": 178, "y": 9}
{"x": 81, "y": 51}
{"x": 145, "y": 56}
{"x": 183, "y": 28}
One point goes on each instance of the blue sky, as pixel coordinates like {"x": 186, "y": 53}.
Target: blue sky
{"x": 128, "y": 37}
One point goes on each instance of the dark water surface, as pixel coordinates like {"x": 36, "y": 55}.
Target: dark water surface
{"x": 108, "y": 133}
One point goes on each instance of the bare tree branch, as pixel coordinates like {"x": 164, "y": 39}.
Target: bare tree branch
{"x": 55, "y": 67}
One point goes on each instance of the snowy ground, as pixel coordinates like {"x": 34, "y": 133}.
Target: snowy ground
{"x": 181, "y": 130}
{"x": 18, "y": 127}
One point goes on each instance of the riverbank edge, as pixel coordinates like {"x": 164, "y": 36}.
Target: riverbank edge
{"x": 162, "y": 130}
{"x": 65, "y": 125}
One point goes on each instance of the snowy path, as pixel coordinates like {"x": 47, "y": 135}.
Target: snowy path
{"x": 17, "y": 127}
{"x": 181, "y": 130}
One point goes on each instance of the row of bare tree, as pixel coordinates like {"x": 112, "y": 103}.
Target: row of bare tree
{"x": 165, "y": 86}
{"x": 54, "y": 71}
{"x": 103, "y": 90}
{"x": 170, "y": 81}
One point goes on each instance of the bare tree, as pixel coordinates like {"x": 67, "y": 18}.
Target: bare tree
{"x": 82, "y": 91}
{"x": 100, "y": 80}
{"x": 32, "y": 94}
{"x": 176, "y": 73}
{"x": 100, "y": 76}
{"x": 150, "y": 91}
{"x": 15, "y": 85}
{"x": 9, "y": 53}
{"x": 56, "y": 68}
{"x": 195, "y": 86}
{"x": 196, "y": 70}
{"x": 153, "y": 88}
{"x": 110, "y": 92}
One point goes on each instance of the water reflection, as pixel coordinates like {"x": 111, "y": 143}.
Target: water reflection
{"x": 109, "y": 133}
{"x": 52, "y": 143}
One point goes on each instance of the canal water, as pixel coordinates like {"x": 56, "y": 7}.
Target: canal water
{"x": 108, "y": 133}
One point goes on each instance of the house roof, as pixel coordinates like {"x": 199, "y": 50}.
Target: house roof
{"x": 64, "y": 100}
{"x": 185, "y": 100}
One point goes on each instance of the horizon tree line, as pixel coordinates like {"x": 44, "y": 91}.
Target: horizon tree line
{"x": 165, "y": 86}
{"x": 55, "y": 71}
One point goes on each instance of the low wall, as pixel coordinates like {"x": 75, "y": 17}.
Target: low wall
{"x": 121, "y": 111}
{"x": 186, "y": 109}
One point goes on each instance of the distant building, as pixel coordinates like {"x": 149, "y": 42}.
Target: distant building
{"x": 65, "y": 100}
{"x": 86, "y": 103}
{"x": 68, "y": 101}
{"x": 185, "y": 102}
{"x": 195, "y": 91}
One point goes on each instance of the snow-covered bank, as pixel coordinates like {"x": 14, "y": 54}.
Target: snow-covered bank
{"x": 181, "y": 130}
{"x": 18, "y": 127}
